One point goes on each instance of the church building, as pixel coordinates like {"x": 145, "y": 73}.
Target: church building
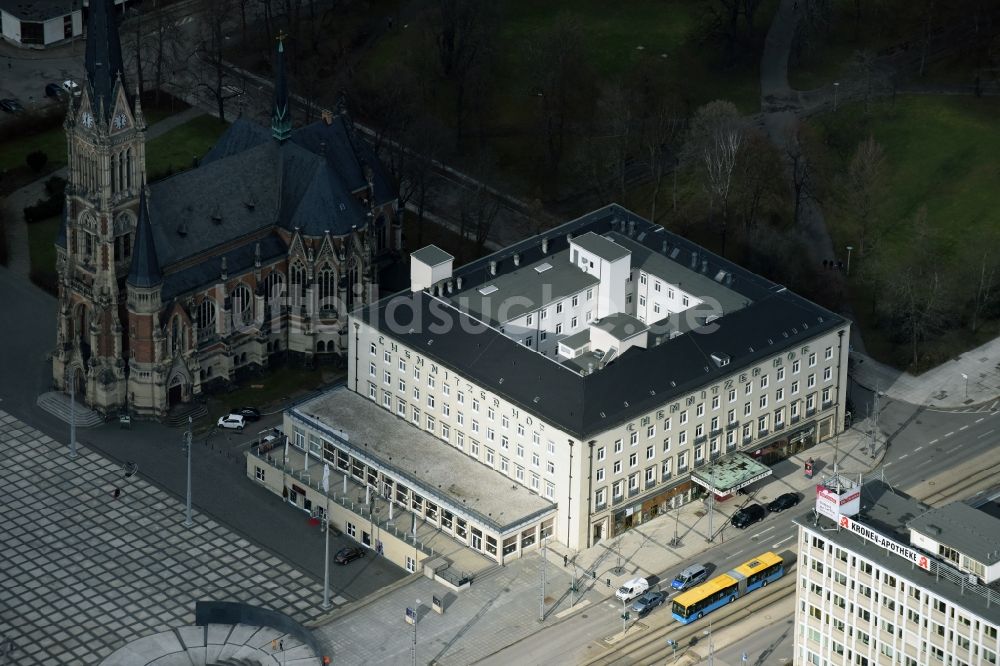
{"x": 263, "y": 249}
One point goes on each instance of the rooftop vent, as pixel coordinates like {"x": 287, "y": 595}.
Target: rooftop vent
{"x": 488, "y": 289}
{"x": 217, "y": 217}
{"x": 545, "y": 246}
{"x": 712, "y": 317}
{"x": 704, "y": 265}
{"x": 430, "y": 342}
{"x": 493, "y": 267}
{"x": 694, "y": 260}
{"x": 674, "y": 252}
{"x": 501, "y": 380}
{"x": 537, "y": 399}
{"x": 720, "y": 276}
{"x": 721, "y": 359}
{"x": 541, "y": 268}
{"x": 251, "y": 203}
{"x": 750, "y": 348}
{"x": 517, "y": 259}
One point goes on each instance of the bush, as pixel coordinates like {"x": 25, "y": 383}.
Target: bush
{"x": 51, "y": 205}
{"x": 55, "y": 187}
{"x": 46, "y": 279}
{"x": 36, "y": 160}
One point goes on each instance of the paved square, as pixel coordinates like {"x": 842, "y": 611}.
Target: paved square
{"x": 85, "y": 573}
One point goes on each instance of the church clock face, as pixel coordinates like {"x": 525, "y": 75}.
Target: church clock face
{"x": 88, "y": 119}
{"x": 121, "y": 120}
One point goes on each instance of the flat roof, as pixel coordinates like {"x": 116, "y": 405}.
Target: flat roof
{"x": 620, "y": 325}
{"x": 968, "y": 530}
{"x": 889, "y": 511}
{"x": 604, "y": 248}
{"x": 731, "y": 472}
{"x": 432, "y": 255}
{"x": 525, "y": 290}
{"x": 39, "y": 10}
{"x": 577, "y": 340}
{"x": 637, "y": 382}
{"x": 434, "y": 468}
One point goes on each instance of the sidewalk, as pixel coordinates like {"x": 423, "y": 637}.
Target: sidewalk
{"x": 972, "y": 379}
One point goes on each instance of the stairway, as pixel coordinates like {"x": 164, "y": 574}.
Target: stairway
{"x": 178, "y": 416}
{"x": 57, "y": 404}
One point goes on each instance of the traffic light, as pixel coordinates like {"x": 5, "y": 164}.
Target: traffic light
{"x": 625, "y": 616}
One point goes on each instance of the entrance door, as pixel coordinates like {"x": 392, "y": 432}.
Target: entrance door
{"x": 80, "y": 385}
{"x": 477, "y": 539}
{"x": 598, "y": 532}
{"x": 175, "y": 395}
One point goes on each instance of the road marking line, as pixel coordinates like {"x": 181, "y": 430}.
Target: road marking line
{"x": 917, "y": 449}
{"x": 775, "y": 545}
{"x": 573, "y": 609}
{"x": 954, "y": 448}
{"x": 988, "y": 432}
{"x": 933, "y": 441}
{"x": 887, "y": 464}
{"x": 738, "y": 552}
{"x": 980, "y": 419}
{"x": 950, "y": 433}
{"x": 905, "y": 455}
{"x": 963, "y": 427}
{"x": 762, "y": 531}
{"x": 924, "y": 463}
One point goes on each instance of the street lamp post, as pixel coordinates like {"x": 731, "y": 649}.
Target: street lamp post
{"x": 187, "y": 445}
{"x": 836, "y": 88}
{"x": 624, "y": 618}
{"x": 413, "y": 652}
{"x": 966, "y": 378}
{"x": 849, "y": 248}
{"x": 541, "y": 599}
{"x": 72, "y": 412}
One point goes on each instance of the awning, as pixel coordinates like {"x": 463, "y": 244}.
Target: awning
{"x": 730, "y": 473}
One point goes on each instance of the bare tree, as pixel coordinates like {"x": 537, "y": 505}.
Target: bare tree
{"x": 983, "y": 270}
{"x": 732, "y": 23}
{"x": 562, "y": 83}
{"x": 213, "y": 76}
{"x": 479, "y": 207}
{"x": 802, "y": 155}
{"x": 864, "y": 188}
{"x": 418, "y": 179}
{"x": 716, "y": 135}
{"x": 759, "y": 181}
{"x": 864, "y": 66}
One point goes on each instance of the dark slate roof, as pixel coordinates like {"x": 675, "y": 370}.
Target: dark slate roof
{"x": 238, "y": 260}
{"x": 242, "y": 135}
{"x": 38, "y": 10}
{"x": 968, "y": 530}
{"x": 639, "y": 381}
{"x": 313, "y": 196}
{"x": 197, "y": 210}
{"x": 145, "y": 269}
{"x": 431, "y": 255}
{"x": 104, "y": 54}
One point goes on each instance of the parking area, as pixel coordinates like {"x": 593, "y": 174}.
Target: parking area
{"x": 24, "y": 73}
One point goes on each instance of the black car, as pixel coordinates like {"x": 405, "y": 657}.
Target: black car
{"x": 782, "y": 502}
{"x": 349, "y": 554}
{"x": 647, "y": 602}
{"x": 248, "y": 413}
{"x": 748, "y": 515}
{"x": 11, "y": 106}
{"x": 54, "y": 90}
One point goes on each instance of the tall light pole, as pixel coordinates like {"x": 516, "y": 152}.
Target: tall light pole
{"x": 413, "y": 651}
{"x": 72, "y": 411}
{"x": 187, "y": 445}
{"x": 541, "y": 598}
{"x": 966, "y": 378}
{"x": 849, "y": 248}
{"x": 836, "y": 88}
{"x": 326, "y": 539}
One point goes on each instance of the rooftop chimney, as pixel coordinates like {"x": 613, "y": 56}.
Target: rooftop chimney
{"x": 493, "y": 267}
{"x": 545, "y": 246}
{"x": 517, "y": 259}
{"x": 451, "y": 286}
{"x": 664, "y": 250}
{"x": 458, "y": 283}
{"x": 327, "y": 117}
{"x": 704, "y": 265}
{"x": 631, "y": 228}
{"x": 694, "y": 259}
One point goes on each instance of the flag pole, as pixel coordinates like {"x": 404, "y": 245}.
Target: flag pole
{"x": 326, "y": 539}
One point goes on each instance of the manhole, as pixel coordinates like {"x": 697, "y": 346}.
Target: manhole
{"x": 931, "y": 483}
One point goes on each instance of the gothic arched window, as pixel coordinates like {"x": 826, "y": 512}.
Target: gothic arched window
{"x": 176, "y": 330}
{"x": 274, "y": 288}
{"x": 128, "y": 168}
{"x": 242, "y": 305}
{"x": 114, "y": 179}
{"x": 297, "y": 278}
{"x": 327, "y": 282}
{"x": 353, "y": 284}
{"x": 206, "y": 316}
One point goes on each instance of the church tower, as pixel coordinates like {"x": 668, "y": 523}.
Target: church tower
{"x": 105, "y": 138}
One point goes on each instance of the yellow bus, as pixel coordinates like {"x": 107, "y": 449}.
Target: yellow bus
{"x": 725, "y": 588}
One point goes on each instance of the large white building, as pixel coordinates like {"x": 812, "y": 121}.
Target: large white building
{"x": 594, "y": 366}
{"x": 889, "y": 580}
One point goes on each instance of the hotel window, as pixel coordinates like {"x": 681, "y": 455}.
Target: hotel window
{"x": 665, "y": 470}
{"x": 684, "y": 417}
{"x": 550, "y": 467}
{"x": 550, "y": 446}
{"x": 402, "y": 386}
{"x": 633, "y": 459}
{"x": 590, "y": 294}
{"x": 430, "y": 381}
{"x": 461, "y": 398}
{"x": 474, "y": 447}
{"x": 748, "y": 388}
{"x": 460, "y": 439}
{"x": 682, "y": 458}
{"x": 491, "y": 434}
{"x": 475, "y": 425}
{"x": 529, "y": 341}
{"x": 796, "y": 364}
{"x": 600, "y": 454}
{"x": 747, "y": 431}
{"x": 520, "y": 450}
{"x": 779, "y": 395}
{"x": 416, "y": 393}
{"x": 618, "y": 446}
{"x": 445, "y": 432}
{"x": 795, "y": 387}
{"x": 642, "y": 278}
{"x": 811, "y": 402}
{"x": 543, "y": 314}
{"x": 634, "y": 438}
{"x": 763, "y": 402}
{"x": 559, "y": 308}
{"x": 534, "y": 481}
{"x": 812, "y": 359}
{"x": 475, "y": 405}
{"x": 650, "y": 475}
{"x": 430, "y": 401}
{"x": 762, "y": 424}
{"x": 461, "y": 418}
{"x": 684, "y": 301}
{"x": 371, "y": 370}
{"x": 600, "y": 497}
{"x": 387, "y": 357}
{"x": 402, "y": 365}
{"x": 519, "y": 473}
{"x": 666, "y": 423}
{"x": 617, "y": 467}
{"x": 535, "y": 439}
{"x": 529, "y": 320}
{"x": 445, "y": 409}
{"x": 731, "y": 416}
{"x": 504, "y": 422}
{"x": 670, "y": 293}
{"x": 416, "y": 373}
{"x": 715, "y": 402}
{"x": 489, "y": 456}
{"x": 811, "y": 381}
{"x": 763, "y": 382}
{"x": 386, "y": 399}
{"x": 781, "y": 374}
{"x": 415, "y": 415}
{"x": 827, "y": 374}
{"x": 387, "y": 378}
{"x": 714, "y": 424}
{"x": 795, "y": 410}
{"x": 401, "y": 407}
{"x": 650, "y": 452}
{"x": 682, "y": 438}
{"x": 576, "y": 300}
{"x": 445, "y": 389}
{"x": 504, "y": 442}
{"x": 650, "y": 431}
{"x": 828, "y": 354}
{"x": 656, "y": 308}
{"x": 826, "y": 395}
{"x": 642, "y": 301}
{"x": 535, "y": 460}
{"x": 600, "y": 474}
{"x": 558, "y": 329}
{"x": 430, "y": 423}
{"x": 520, "y": 430}
{"x": 699, "y": 453}
{"x": 572, "y": 322}
{"x": 542, "y": 336}
{"x": 373, "y": 348}
{"x": 699, "y": 430}
{"x": 779, "y": 417}
{"x": 372, "y": 391}
{"x": 746, "y": 409}
{"x": 666, "y": 444}
{"x": 491, "y": 414}
{"x": 633, "y": 482}
{"x": 732, "y": 395}
{"x": 616, "y": 490}
{"x": 504, "y": 465}
{"x": 699, "y": 411}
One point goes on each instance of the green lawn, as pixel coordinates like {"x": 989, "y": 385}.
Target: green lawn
{"x": 268, "y": 392}
{"x": 943, "y": 152}
{"x": 177, "y": 149}
{"x": 52, "y": 142}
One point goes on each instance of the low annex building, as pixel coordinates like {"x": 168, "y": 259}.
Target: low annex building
{"x": 594, "y": 366}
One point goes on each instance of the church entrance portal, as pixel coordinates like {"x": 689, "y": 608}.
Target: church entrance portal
{"x": 175, "y": 395}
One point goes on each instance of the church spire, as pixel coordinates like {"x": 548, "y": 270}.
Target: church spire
{"x": 104, "y": 54}
{"x": 145, "y": 270}
{"x": 281, "y": 117}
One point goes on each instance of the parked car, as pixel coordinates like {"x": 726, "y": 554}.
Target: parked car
{"x": 349, "y": 554}
{"x": 782, "y": 502}
{"x": 648, "y": 602}
{"x": 691, "y": 576}
{"x": 632, "y": 589}
{"x": 11, "y": 106}
{"x": 54, "y": 90}
{"x": 748, "y": 515}
{"x": 249, "y": 413}
{"x": 72, "y": 87}
{"x": 232, "y": 422}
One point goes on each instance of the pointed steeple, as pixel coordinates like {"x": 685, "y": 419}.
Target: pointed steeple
{"x": 281, "y": 117}
{"x": 104, "y": 54}
{"x": 145, "y": 270}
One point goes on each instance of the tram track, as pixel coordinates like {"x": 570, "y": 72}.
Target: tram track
{"x": 651, "y": 645}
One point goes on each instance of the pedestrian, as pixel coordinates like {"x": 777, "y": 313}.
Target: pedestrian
{"x": 281, "y": 645}
{"x": 326, "y": 660}
{"x": 274, "y": 645}
{"x": 565, "y": 560}
{"x": 117, "y": 493}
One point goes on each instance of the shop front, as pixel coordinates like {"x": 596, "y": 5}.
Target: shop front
{"x": 784, "y": 445}
{"x": 642, "y": 510}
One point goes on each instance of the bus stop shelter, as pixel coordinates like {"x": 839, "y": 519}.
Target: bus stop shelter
{"x": 730, "y": 473}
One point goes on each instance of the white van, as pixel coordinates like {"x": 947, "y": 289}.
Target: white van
{"x": 632, "y": 589}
